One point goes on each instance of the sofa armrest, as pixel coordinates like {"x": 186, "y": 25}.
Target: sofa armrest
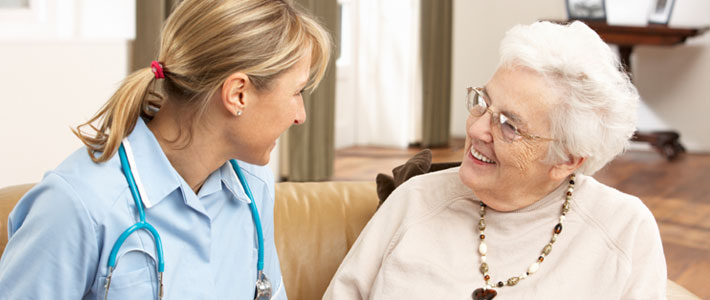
{"x": 315, "y": 224}
{"x": 8, "y": 198}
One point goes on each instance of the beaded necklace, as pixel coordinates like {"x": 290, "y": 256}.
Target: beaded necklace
{"x": 487, "y": 292}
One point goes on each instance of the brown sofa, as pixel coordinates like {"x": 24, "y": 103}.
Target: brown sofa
{"x": 315, "y": 225}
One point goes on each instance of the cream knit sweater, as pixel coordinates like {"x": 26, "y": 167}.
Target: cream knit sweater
{"x": 423, "y": 244}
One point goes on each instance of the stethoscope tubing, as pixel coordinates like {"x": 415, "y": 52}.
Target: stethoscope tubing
{"x": 141, "y": 224}
{"x": 254, "y": 214}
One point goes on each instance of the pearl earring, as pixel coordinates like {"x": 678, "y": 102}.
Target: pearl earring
{"x": 239, "y": 113}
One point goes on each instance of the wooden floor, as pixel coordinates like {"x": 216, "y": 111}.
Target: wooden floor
{"x": 678, "y": 194}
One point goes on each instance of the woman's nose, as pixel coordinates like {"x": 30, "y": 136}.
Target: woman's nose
{"x": 300, "y": 114}
{"x": 480, "y": 128}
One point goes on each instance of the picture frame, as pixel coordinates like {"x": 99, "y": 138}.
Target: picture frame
{"x": 14, "y": 4}
{"x": 21, "y": 16}
{"x": 593, "y": 10}
{"x": 660, "y": 11}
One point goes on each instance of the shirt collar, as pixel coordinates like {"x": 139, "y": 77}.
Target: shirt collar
{"x": 231, "y": 181}
{"x": 151, "y": 167}
{"x": 157, "y": 178}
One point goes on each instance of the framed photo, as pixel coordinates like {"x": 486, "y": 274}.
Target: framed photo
{"x": 586, "y": 10}
{"x": 660, "y": 12}
{"x": 14, "y": 4}
{"x": 20, "y": 16}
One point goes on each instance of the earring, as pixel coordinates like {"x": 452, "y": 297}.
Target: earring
{"x": 239, "y": 113}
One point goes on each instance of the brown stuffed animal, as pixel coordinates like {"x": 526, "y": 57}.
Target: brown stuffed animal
{"x": 417, "y": 165}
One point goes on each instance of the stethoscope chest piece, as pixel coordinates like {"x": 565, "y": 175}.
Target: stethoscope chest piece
{"x": 263, "y": 287}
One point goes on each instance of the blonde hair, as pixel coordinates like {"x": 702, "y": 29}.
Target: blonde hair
{"x": 202, "y": 43}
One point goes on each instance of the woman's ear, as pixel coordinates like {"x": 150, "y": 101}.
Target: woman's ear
{"x": 234, "y": 93}
{"x": 562, "y": 170}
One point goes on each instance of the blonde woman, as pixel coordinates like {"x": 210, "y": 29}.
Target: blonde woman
{"x": 157, "y": 186}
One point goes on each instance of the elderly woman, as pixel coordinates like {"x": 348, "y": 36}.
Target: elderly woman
{"x": 522, "y": 218}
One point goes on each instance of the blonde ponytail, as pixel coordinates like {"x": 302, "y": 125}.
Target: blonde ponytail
{"x": 119, "y": 115}
{"x": 202, "y": 43}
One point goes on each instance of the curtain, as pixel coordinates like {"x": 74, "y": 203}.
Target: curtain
{"x": 150, "y": 16}
{"x": 387, "y": 73}
{"x": 308, "y": 149}
{"x": 436, "y": 19}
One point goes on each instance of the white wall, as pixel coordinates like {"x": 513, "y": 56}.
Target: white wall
{"x": 48, "y": 87}
{"x": 59, "y": 62}
{"x": 674, "y": 82}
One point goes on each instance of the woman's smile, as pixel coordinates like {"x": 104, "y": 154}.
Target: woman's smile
{"x": 480, "y": 158}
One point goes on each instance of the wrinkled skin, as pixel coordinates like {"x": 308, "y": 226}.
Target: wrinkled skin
{"x": 517, "y": 177}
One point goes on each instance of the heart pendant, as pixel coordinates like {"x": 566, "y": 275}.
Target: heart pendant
{"x": 484, "y": 294}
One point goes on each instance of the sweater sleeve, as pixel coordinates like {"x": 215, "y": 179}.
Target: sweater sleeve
{"x": 52, "y": 248}
{"x": 358, "y": 271}
{"x": 648, "y": 276}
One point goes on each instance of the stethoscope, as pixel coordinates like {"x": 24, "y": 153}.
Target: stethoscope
{"x": 263, "y": 285}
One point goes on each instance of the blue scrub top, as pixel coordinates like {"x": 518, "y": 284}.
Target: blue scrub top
{"x": 61, "y": 232}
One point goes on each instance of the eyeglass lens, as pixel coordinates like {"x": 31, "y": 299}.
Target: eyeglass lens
{"x": 477, "y": 106}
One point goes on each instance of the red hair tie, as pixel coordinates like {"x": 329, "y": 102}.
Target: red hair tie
{"x": 157, "y": 69}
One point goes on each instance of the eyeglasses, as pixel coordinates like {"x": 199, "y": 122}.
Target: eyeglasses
{"x": 477, "y": 106}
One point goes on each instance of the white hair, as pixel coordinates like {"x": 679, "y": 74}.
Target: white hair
{"x": 596, "y": 113}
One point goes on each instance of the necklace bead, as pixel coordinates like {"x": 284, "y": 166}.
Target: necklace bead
{"x": 482, "y": 248}
{"x": 547, "y": 249}
{"x": 513, "y": 280}
{"x": 558, "y": 228}
{"x": 533, "y": 268}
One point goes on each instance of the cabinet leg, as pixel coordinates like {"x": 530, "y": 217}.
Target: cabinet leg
{"x": 666, "y": 143}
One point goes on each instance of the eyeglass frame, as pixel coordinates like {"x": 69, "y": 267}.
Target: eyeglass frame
{"x": 497, "y": 116}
